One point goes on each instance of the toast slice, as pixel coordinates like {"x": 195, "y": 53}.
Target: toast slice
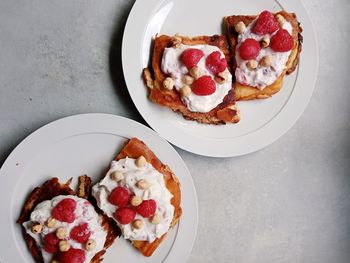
{"x": 244, "y": 92}
{"x": 50, "y": 189}
{"x": 225, "y": 112}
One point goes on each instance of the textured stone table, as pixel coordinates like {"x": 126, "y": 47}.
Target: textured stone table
{"x": 289, "y": 202}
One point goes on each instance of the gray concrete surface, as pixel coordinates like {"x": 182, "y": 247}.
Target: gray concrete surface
{"x": 289, "y": 202}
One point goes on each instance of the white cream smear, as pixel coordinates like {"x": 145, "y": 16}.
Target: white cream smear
{"x": 84, "y": 213}
{"x": 261, "y": 76}
{"x": 172, "y": 65}
{"x": 157, "y": 191}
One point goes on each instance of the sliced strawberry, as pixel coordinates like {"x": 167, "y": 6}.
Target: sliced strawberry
{"x": 124, "y": 215}
{"x": 80, "y": 233}
{"x": 265, "y": 24}
{"x": 249, "y": 49}
{"x": 51, "y": 243}
{"x": 64, "y": 210}
{"x": 147, "y": 208}
{"x": 120, "y": 196}
{"x": 215, "y": 64}
{"x": 204, "y": 86}
{"x": 73, "y": 255}
{"x": 191, "y": 56}
{"x": 282, "y": 41}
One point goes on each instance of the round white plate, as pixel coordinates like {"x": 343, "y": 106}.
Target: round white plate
{"x": 86, "y": 144}
{"x": 262, "y": 122}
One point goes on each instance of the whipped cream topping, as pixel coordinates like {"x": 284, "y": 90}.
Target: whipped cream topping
{"x": 172, "y": 65}
{"x": 157, "y": 191}
{"x": 261, "y": 76}
{"x": 84, "y": 213}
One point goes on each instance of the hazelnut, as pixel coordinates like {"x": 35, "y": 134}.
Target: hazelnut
{"x": 141, "y": 161}
{"x": 176, "y": 41}
{"x": 64, "y": 245}
{"x": 265, "y": 42}
{"x": 266, "y": 61}
{"x": 142, "y": 184}
{"x": 90, "y": 244}
{"x": 137, "y": 224}
{"x": 240, "y": 27}
{"x": 168, "y": 83}
{"x": 54, "y": 261}
{"x": 252, "y": 64}
{"x": 135, "y": 200}
{"x": 156, "y": 219}
{"x": 51, "y": 222}
{"x": 116, "y": 176}
{"x": 187, "y": 79}
{"x": 195, "y": 72}
{"x": 185, "y": 91}
{"x": 280, "y": 19}
{"x": 221, "y": 77}
{"x": 62, "y": 233}
{"x": 37, "y": 228}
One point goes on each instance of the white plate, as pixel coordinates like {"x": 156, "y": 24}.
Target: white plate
{"x": 85, "y": 144}
{"x": 262, "y": 122}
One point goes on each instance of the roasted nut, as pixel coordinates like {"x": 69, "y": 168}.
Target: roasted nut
{"x": 62, "y": 233}
{"x": 195, "y": 72}
{"x": 135, "y": 200}
{"x": 185, "y": 91}
{"x": 187, "y": 79}
{"x": 176, "y": 41}
{"x": 116, "y": 176}
{"x": 90, "y": 244}
{"x": 280, "y": 19}
{"x": 37, "y": 228}
{"x": 240, "y": 27}
{"x": 168, "y": 83}
{"x": 265, "y": 42}
{"x": 142, "y": 184}
{"x": 266, "y": 61}
{"x": 64, "y": 245}
{"x": 156, "y": 219}
{"x": 141, "y": 161}
{"x": 137, "y": 224}
{"x": 51, "y": 222}
{"x": 252, "y": 64}
{"x": 54, "y": 261}
{"x": 221, "y": 77}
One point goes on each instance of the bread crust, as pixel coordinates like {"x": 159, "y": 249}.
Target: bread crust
{"x": 225, "y": 112}
{"x": 244, "y": 92}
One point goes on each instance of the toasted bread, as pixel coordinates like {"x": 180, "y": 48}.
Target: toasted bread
{"x": 243, "y": 92}
{"x": 49, "y": 190}
{"x": 225, "y": 112}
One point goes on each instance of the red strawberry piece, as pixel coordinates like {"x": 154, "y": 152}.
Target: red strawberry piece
{"x": 203, "y": 86}
{"x": 124, "y": 215}
{"x": 191, "y": 56}
{"x": 80, "y": 233}
{"x": 265, "y": 24}
{"x": 64, "y": 210}
{"x": 73, "y": 255}
{"x": 282, "y": 41}
{"x": 249, "y": 49}
{"x": 51, "y": 243}
{"x": 147, "y": 208}
{"x": 120, "y": 196}
{"x": 215, "y": 64}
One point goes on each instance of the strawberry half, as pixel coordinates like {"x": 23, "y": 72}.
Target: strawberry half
{"x": 191, "y": 56}
{"x": 204, "y": 86}
{"x": 215, "y": 64}
{"x": 282, "y": 41}
{"x": 249, "y": 49}
{"x": 265, "y": 24}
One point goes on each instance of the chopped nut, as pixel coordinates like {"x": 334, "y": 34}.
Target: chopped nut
{"x": 64, "y": 245}
{"x": 187, "y": 79}
{"x": 37, "y": 228}
{"x": 62, "y": 233}
{"x": 137, "y": 224}
{"x": 176, "y": 41}
{"x": 156, "y": 219}
{"x": 195, "y": 72}
{"x": 51, "y": 222}
{"x": 221, "y": 77}
{"x": 240, "y": 27}
{"x": 280, "y": 19}
{"x": 168, "y": 83}
{"x": 266, "y": 61}
{"x": 185, "y": 91}
{"x": 90, "y": 244}
{"x": 141, "y": 161}
{"x": 135, "y": 200}
{"x": 142, "y": 184}
{"x": 265, "y": 42}
{"x": 252, "y": 64}
{"x": 116, "y": 176}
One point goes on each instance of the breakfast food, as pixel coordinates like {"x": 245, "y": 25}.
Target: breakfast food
{"x": 141, "y": 194}
{"x": 191, "y": 76}
{"x": 61, "y": 225}
{"x": 264, "y": 49}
